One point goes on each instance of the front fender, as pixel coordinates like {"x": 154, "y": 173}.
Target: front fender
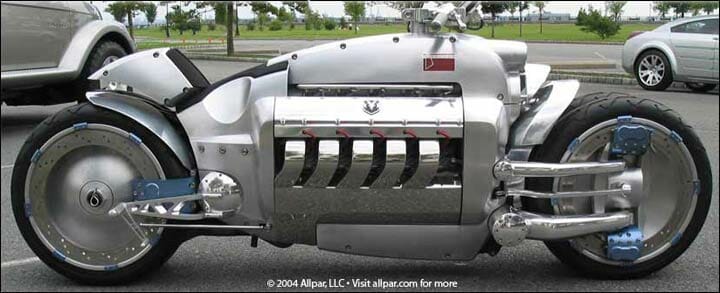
{"x": 534, "y": 125}
{"x": 147, "y": 115}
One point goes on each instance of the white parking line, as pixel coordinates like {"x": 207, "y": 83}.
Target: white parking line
{"x": 19, "y": 262}
{"x": 7, "y": 166}
{"x": 600, "y": 55}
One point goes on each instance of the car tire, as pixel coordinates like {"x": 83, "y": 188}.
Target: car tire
{"x": 87, "y": 114}
{"x": 699, "y": 87}
{"x": 584, "y": 113}
{"x": 103, "y": 53}
{"x": 659, "y": 79}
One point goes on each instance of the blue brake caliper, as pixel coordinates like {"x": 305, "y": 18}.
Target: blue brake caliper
{"x": 147, "y": 189}
{"x": 628, "y": 139}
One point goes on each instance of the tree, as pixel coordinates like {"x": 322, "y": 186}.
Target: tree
{"x": 662, "y": 7}
{"x": 594, "y": 22}
{"x": 179, "y": 19}
{"x": 696, "y": 6}
{"x": 512, "y": 6}
{"x": 128, "y": 9}
{"x": 616, "y": 9}
{"x": 400, "y": 5}
{"x": 541, "y": 8}
{"x": 343, "y": 23}
{"x": 522, "y": 5}
{"x": 356, "y": 10}
{"x": 237, "y": 20}
{"x": 709, "y": 6}
{"x": 680, "y": 7}
{"x": 229, "y": 35}
{"x": 276, "y": 25}
{"x": 150, "y": 11}
{"x": 220, "y": 13}
{"x": 494, "y": 8}
{"x": 329, "y": 24}
{"x": 167, "y": 17}
{"x": 262, "y": 19}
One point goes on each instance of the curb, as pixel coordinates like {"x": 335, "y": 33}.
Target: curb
{"x": 581, "y": 65}
{"x": 225, "y": 58}
{"x": 618, "y": 79}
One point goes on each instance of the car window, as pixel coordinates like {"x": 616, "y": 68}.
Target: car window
{"x": 707, "y": 26}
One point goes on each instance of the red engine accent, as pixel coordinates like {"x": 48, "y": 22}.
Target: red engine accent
{"x": 439, "y": 63}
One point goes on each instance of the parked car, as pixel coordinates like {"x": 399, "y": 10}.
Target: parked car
{"x": 685, "y": 50}
{"x": 50, "y": 48}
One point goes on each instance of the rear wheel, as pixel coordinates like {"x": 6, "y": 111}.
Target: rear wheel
{"x": 75, "y": 167}
{"x": 674, "y": 180}
{"x": 700, "y": 87}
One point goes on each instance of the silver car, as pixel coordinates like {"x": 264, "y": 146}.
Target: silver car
{"x": 685, "y": 50}
{"x": 49, "y": 49}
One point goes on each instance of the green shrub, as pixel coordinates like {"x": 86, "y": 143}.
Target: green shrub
{"x": 329, "y": 24}
{"x": 250, "y": 26}
{"x": 211, "y": 26}
{"x": 276, "y": 25}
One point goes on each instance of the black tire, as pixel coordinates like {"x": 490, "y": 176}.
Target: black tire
{"x": 102, "y": 51}
{"x": 585, "y": 112}
{"x": 84, "y": 112}
{"x": 699, "y": 87}
{"x": 667, "y": 78}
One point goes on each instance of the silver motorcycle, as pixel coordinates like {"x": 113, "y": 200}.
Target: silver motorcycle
{"x": 423, "y": 145}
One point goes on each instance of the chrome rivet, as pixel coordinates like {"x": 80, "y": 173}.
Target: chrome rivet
{"x": 396, "y": 39}
{"x": 105, "y": 73}
{"x": 244, "y": 152}
{"x": 452, "y": 39}
{"x": 343, "y": 46}
{"x": 500, "y": 97}
{"x": 156, "y": 54}
{"x": 294, "y": 56}
{"x": 222, "y": 150}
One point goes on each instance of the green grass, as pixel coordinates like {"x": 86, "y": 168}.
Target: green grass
{"x": 551, "y": 32}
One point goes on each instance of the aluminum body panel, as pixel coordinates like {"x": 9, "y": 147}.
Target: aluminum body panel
{"x": 431, "y": 242}
{"x": 245, "y": 131}
{"x": 72, "y": 58}
{"x": 325, "y": 115}
{"x": 535, "y": 125}
{"x": 536, "y": 75}
{"x": 298, "y": 211}
{"x": 481, "y": 66}
{"x": 150, "y": 73}
{"x": 149, "y": 117}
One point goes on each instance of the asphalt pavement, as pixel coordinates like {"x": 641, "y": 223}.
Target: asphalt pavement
{"x": 230, "y": 264}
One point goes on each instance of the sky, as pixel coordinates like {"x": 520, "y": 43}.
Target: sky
{"x": 335, "y": 9}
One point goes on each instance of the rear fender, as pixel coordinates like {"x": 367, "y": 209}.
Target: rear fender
{"x": 534, "y": 125}
{"x": 147, "y": 115}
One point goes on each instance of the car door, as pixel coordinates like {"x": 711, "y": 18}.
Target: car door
{"x": 695, "y": 45}
{"x": 35, "y": 34}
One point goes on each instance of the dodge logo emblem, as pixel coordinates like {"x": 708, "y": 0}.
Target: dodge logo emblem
{"x": 371, "y": 107}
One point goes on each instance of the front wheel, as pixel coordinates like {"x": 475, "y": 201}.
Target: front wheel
{"x": 652, "y": 71}
{"x": 672, "y": 182}
{"x": 75, "y": 167}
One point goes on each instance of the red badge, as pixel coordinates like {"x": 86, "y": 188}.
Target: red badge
{"x": 439, "y": 62}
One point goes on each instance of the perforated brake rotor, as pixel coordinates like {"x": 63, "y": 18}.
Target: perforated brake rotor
{"x": 669, "y": 188}
{"x": 75, "y": 178}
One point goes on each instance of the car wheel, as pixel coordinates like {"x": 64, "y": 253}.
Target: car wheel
{"x": 652, "y": 71}
{"x": 700, "y": 87}
{"x": 103, "y": 54}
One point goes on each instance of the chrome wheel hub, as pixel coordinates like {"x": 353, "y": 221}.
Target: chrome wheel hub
{"x": 661, "y": 182}
{"x": 76, "y": 177}
{"x": 651, "y": 70}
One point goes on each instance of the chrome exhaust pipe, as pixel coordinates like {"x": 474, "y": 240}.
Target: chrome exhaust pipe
{"x": 512, "y": 227}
